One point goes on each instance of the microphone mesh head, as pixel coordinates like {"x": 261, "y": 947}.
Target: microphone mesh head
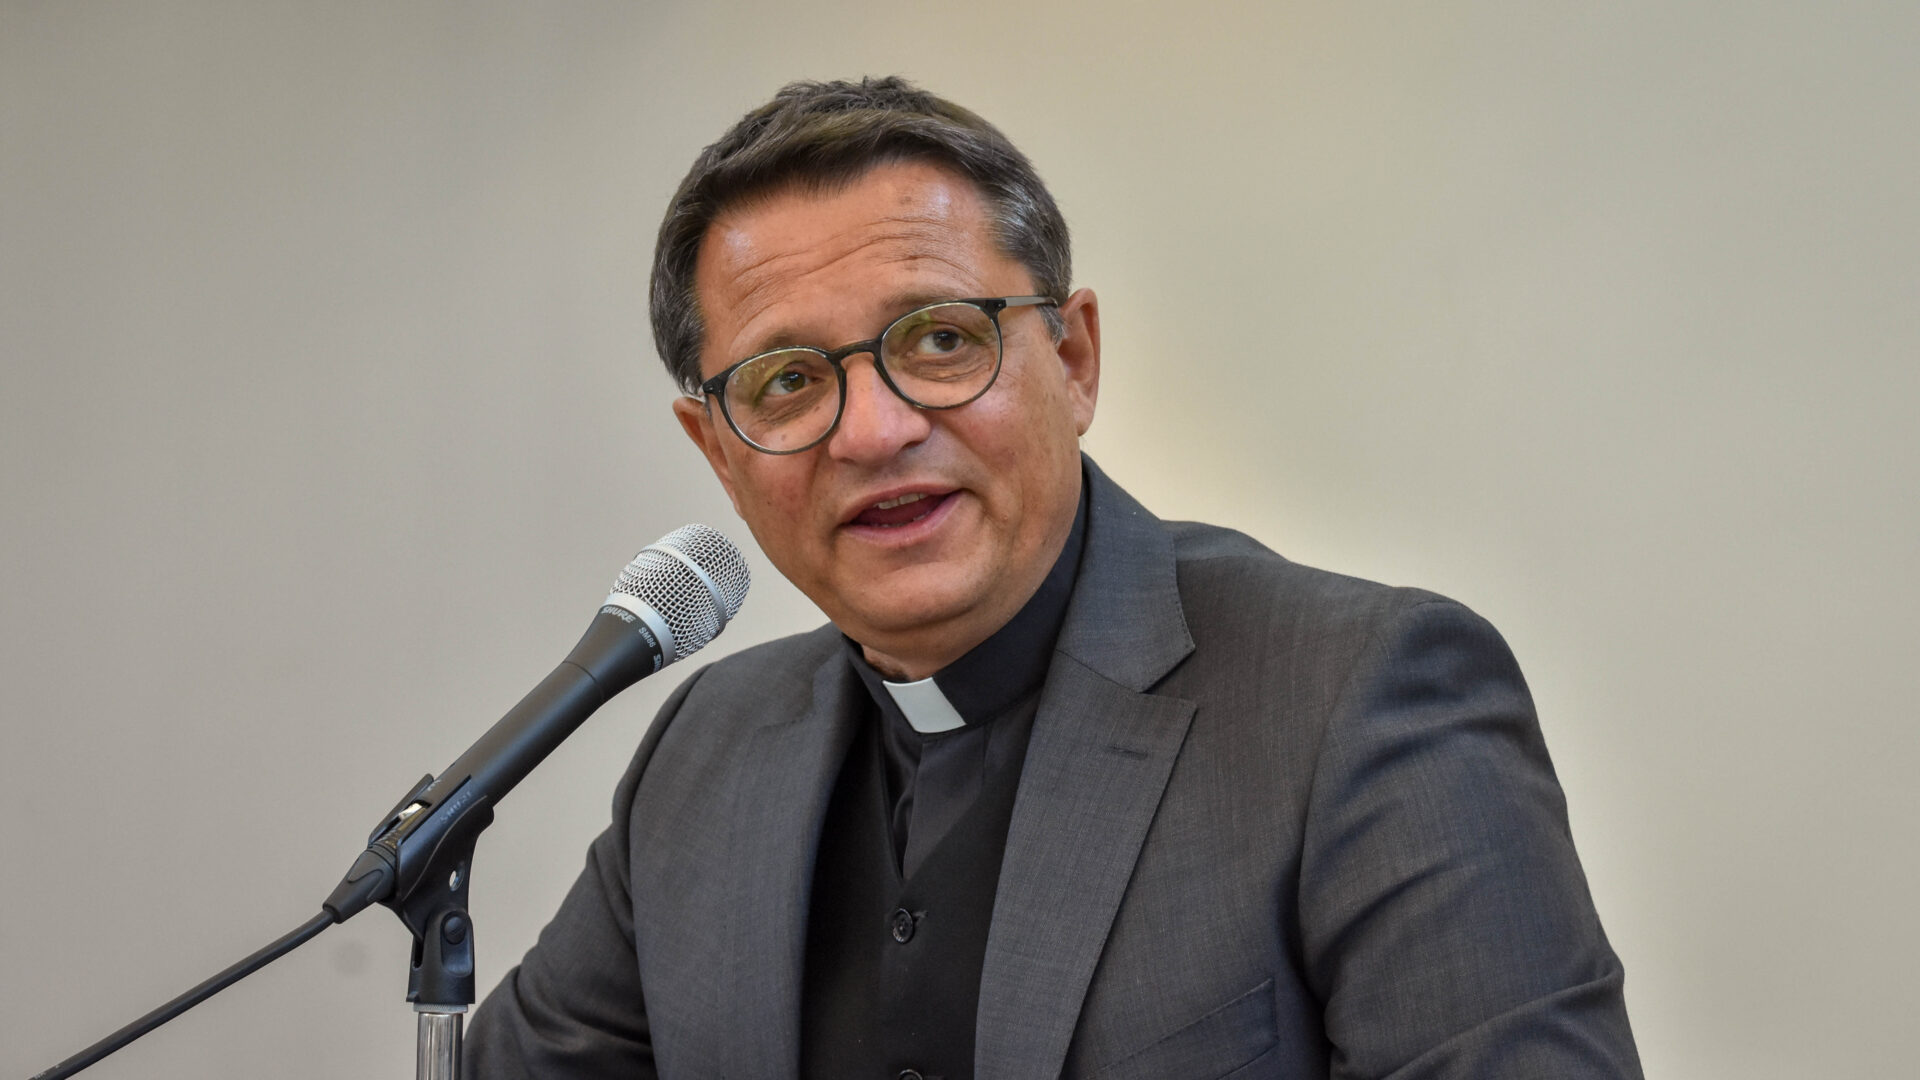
{"x": 695, "y": 605}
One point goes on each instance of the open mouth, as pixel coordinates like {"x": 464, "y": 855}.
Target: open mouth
{"x": 903, "y": 510}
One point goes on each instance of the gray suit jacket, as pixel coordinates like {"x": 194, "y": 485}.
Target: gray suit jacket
{"x": 1273, "y": 822}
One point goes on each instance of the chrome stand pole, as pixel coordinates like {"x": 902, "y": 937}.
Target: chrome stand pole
{"x": 438, "y": 1056}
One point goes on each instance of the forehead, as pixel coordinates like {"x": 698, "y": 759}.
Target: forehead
{"x": 797, "y": 260}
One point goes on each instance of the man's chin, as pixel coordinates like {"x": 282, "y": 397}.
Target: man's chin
{"x": 926, "y": 614}
{"x": 905, "y": 605}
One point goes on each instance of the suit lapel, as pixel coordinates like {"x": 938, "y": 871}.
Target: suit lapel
{"x": 1093, "y": 777}
{"x": 1100, "y": 755}
{"x": 785, "y": 782}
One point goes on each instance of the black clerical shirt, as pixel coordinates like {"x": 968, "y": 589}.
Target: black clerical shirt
{"x": 933, "y": 776}
{"x": 910, "y": 850}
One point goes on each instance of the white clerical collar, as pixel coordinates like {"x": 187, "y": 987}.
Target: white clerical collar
{"x": 924, "y": 706}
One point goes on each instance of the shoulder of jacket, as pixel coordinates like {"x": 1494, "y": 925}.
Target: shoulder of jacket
{"x": 1224, "y": 570}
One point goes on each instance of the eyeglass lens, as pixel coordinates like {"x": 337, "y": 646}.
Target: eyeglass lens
{"x": 938, "y": 357}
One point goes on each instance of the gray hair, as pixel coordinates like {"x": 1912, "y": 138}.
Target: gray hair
{"x": 822, "y": 136}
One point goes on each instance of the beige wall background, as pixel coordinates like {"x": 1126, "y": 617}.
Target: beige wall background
{"x": 329, "y": 412}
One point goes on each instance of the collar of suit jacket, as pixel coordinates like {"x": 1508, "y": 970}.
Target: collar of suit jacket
{"x": 1125, "y": 621}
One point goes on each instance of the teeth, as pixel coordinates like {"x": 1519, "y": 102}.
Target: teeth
{"x": 901, "y": 501}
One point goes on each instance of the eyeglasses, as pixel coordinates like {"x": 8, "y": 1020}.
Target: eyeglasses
{"x": 940, "y": 356}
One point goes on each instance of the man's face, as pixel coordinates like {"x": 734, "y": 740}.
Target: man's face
{"x": 995, "y": 483}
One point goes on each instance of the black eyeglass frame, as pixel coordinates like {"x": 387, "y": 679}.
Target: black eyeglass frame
{"x": 714, "y": 389}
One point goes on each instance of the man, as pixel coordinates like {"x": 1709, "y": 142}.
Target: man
{"x": 1062, "y": 789}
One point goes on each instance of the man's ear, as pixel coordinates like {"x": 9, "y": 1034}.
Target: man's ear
{"x": 696, "y": 419}
{"x": 1079, "y": 351}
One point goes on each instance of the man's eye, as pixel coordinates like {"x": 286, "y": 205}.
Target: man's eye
{"x": 780, "y": 380}
{"x": 786, "y": 381}
{"x": 940, "y": 339}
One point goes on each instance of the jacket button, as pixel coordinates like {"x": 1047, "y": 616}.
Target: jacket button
{"x": 901, "y": 922}
{"x": 909, "y": 1074}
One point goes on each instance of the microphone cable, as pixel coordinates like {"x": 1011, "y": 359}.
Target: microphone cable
{"x": 305, "y": 933}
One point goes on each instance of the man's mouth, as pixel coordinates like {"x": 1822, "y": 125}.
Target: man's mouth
{"x": 903, "y": 510}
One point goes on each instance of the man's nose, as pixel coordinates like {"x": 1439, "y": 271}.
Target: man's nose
{"x": 876, "y": 423}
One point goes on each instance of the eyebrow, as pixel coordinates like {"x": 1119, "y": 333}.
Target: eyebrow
{"x": 899, "y": 303}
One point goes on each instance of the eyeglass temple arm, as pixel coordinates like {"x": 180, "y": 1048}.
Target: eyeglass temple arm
{"x": 1026, "y": 301}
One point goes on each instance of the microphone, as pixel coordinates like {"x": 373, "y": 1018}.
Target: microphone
{"x": 673, "y": 598}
